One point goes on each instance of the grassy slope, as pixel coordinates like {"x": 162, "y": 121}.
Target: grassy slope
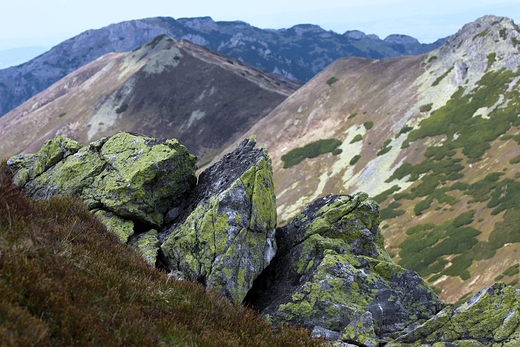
{"x": 66, "y": 281}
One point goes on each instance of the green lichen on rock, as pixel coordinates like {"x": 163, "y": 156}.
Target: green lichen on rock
{"x": 333, "y": 275}
{"x": 147, "y": 244}
{"x": 227, "y": 239}
{"x": 142, "y": 176}
{"x": 490, "y": 318}
{"x": 119, "y": 226}
{"x": 133, "y": 176}
{"x": 68, "y": 177}
{"x": 361, "y": 330}
{"x": 27, "y": 167}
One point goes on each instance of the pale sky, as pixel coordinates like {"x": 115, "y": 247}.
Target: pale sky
{"x": 48, "y": 22}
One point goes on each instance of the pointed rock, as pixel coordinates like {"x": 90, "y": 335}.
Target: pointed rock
{"x": 224, "y": 237}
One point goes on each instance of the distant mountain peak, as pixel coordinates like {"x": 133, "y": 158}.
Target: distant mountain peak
{"x": 199, "y": 23}
{"x": 489, "y": 43}
{"x": 487, "y": 30}
{"x": 401, "y": 39}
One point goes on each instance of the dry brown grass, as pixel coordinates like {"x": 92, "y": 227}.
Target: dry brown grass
{"x": 66, "y": 281}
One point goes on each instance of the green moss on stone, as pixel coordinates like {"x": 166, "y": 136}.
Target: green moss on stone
{"x": 147, "y": 244}
{"x": 225, "y": 248}
{"x": 119, "y": 226}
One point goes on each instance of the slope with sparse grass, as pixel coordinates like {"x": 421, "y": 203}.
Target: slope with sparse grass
{"x": 434, "y": 138}
{"x": 66, "y": 281}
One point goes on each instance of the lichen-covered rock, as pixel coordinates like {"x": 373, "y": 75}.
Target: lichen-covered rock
{"x": 224, "y": 236}
{"x": 147, "y": 244}
{"x": 119, "y": 226}
{"x": 490, "y": 318}
{"x": 332, "y": 274}
{"x": 134, "y": 177}
{"x": 27, "y": 167}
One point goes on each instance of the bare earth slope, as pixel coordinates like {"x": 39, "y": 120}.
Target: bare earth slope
{"x": 166, "y": 88}
{"x": 434, "y": 138}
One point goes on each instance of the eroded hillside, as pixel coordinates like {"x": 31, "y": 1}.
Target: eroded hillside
{"x": 434, "y": 138}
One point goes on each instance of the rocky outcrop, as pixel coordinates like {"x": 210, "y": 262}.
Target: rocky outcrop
{"x": 490, "y": 318}
{"x": 219, "y": 232}
{"x": 225, "y": 236}
{"x": 326, "y": 270}
{"x": 134, "y": 177}
{"x": 333, "y": 276}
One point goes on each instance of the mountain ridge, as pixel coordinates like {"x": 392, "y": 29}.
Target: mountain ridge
{"x": 166, "y": 88}
{"x": 278, "y": 51}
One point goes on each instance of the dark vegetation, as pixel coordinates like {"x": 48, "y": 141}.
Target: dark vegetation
{"x": 122, "y": 108}
{"x": 426, "y": 107}
{"x": 441, "y": 77}
{"x": 491, "y": 58}
{"x": 511, "y": 271}
{"x": 391, "y": 211}
{"x": 385, "y": 148}
{"x": 384, "y": 195}
{"x": 432, "y": 58}
{"x": 354, "y": 159}
{"x": 503, "y": 33}
{"x": 482, "y": 34}
{"x": 404, "y": 130}
{"x": 474, "y": 133}
{"x": 331, "y": 81}
{"x": 357, "y": 138}
{"x": 311, "y": 150}
{"x": 66, "y": 281}
{"x": 63, "y": 114}
{"x": 156, "y": 41}
{"x": 424, "y": 248}
{"x": 368, "y": 125}
{"x": 352, "y": 115}
{"x": 467, "y": 138}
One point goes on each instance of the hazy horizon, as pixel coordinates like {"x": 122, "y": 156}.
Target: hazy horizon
{"x": 29, "y": 23}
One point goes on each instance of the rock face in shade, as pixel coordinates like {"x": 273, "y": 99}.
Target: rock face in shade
{"x": 225, "y": 236}
{"x": 332, "y": 275}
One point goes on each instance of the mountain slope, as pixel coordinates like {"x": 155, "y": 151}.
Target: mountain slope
{"x": 298, "y": 53}
{"x": 434, "y": 138}
{"x": 166, "y": 88}
{"x": 67, "y": 281}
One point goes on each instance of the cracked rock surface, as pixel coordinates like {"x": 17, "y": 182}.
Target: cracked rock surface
{"x": 225, "y": 236}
